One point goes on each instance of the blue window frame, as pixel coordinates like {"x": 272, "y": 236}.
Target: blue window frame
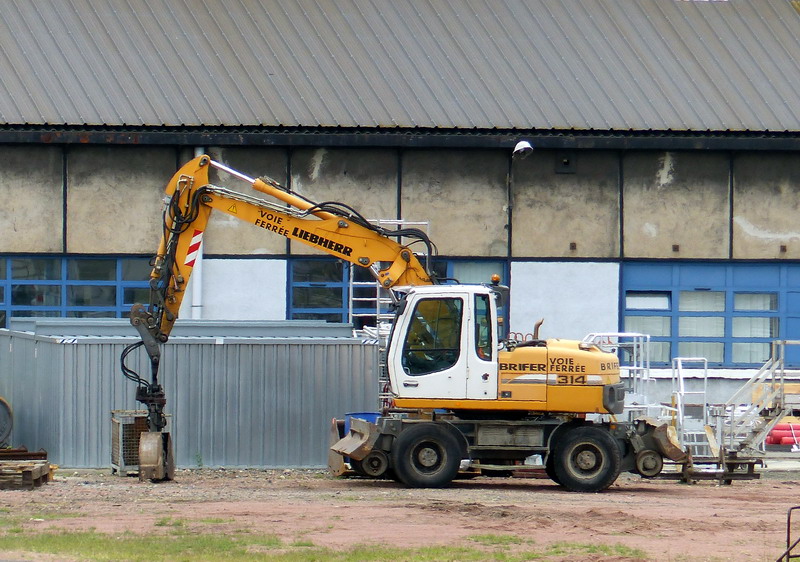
{"x": 318, "y": 286}
{"x": 727, "y": 313}
{"x": 75, "y": 287}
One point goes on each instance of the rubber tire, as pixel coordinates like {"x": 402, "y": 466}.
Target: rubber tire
{"x": 595, "y": 446}
{"x": 550, "y": 469}
{"x": 367, "y": 466}
{"x": 442, "y": 456}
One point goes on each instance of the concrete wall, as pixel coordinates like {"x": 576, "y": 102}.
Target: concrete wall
{"x": 364, "y": 179}
{"x": 463, "y": 194}
{"x": 766, "y": 201}
{"x": 676, "y": 205}
{"x": 31, "y": 187}
{"x": 114, "y": 198}
{"x": 226, "y": 234}
{"x": 564, "y": 204}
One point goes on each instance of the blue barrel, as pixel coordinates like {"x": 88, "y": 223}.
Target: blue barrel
{"x": 371, "y": 417}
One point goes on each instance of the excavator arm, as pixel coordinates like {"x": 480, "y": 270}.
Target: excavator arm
{"x": 329, "y": 227}
{"x": 323, "y": 226}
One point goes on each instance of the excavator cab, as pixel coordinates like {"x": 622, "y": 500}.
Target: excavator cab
{"x": 444, "y": 344}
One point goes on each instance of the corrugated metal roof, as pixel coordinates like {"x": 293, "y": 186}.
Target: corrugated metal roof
{"x": 603, "y": 65}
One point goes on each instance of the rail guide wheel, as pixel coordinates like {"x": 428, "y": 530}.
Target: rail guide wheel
{"x": 156, "y": 459}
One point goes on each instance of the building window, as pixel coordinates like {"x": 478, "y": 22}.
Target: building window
{"x": 729, "y": 314}
{"x": 320, "y": 287}
{"x": 71, "y": 287}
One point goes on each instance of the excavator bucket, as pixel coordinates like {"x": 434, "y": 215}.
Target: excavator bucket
{"x": 666, "y": 438}
{"x": 336, "y": 464}
{"x": 156, "y": 459}
{"x": 359, "y": 441}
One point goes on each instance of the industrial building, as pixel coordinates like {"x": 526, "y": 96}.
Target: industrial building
{"x": 661, "y": 196}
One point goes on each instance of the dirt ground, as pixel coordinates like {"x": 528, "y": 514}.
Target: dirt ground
{"x": 668, "y": 520}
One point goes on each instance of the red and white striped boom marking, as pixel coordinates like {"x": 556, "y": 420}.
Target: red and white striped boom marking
{"x": 194, "y": 248}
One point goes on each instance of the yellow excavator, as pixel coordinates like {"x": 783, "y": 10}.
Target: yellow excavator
{"x": 462, "y": 394}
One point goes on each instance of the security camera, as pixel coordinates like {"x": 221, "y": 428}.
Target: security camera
{"x": 522, "y": 149}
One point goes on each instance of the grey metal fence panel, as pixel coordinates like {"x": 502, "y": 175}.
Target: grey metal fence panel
{"x": 237, "y": 402}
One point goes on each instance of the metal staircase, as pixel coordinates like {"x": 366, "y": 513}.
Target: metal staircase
{"x": 747, "y": 417}
{"x": 724, "y": 441}
{"x": 633, "y": 350}
{"x": 691, "y": 412}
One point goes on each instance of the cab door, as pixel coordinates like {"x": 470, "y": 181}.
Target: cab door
{"x": 427, "y": 354}
{"x": 483, "y": 349}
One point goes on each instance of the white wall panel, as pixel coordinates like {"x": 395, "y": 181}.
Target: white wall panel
{"x": 574, "y": 298}
{"x": 240, "y": 289}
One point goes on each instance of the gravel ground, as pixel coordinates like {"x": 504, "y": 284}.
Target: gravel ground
{"x": 668, "y": 520}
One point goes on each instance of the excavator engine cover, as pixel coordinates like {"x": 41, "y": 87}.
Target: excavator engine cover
{"x": 156, "y": 459}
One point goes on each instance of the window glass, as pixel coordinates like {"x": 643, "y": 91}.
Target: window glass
{"x": 53, "y": 287}
{"x": 91, "y": 314}
{"x": 750, "y": 352}
{"x": 660, "y": 351}
{"x": 327, "y": 317}
{"x": 702, "y": 301}
{"x": 132, "y": 295}
{"x": 92, "y": 270}
{"x": 433, "y": 340}
{"x": 755, "y": 301}
{"x": 35, "y": 295}
{"x": 36, "y": 268}
{"x": 36, "y": 313}
{"x": 701, "y": 326}
{"x": 635, "y": 300}
{"x": 317, "y": 271}
{"x": 476, "y": 271}
{"x": 650, "y": 325}
{"x": 88, "y": 295}
{"x": 713, "y": 351}
{"x": 363, "y": 274}
{"x": 732, "y": 323}
{"x": 317, "y": 297}
{"x": 483, "y": 328}
{"x": 755, "y": 327}
{"x": 136, "y": 269}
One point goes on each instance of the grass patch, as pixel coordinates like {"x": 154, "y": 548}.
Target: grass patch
{"x": 169, "y": 522}
{"x": 200, "y": 547}
{"x": 497, "y": 540}
{"x": 581, "y": 549}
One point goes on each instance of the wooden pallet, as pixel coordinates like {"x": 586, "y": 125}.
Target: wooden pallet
{"x": 23, "y": 475}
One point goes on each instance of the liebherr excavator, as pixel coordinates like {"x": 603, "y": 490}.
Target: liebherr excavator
{"x": 461, "y": 393}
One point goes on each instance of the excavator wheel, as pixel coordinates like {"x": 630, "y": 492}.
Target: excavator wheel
{"x": 649, "y": 463}
{"x": 374, "y": 465}
{"x": 426, "y": 455}
{"x": 156, "y": 459}
{"x": 587, "y": 459}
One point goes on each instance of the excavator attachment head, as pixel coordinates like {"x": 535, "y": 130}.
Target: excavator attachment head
{"x": 156, "y": 459}
{"x": 358, "y": 443}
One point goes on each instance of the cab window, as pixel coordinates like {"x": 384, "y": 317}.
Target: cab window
{"x": 483, "y": 328}
{"x": 433, "y": 340}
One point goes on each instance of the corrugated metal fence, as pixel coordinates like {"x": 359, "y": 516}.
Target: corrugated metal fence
{"x": 234, "y": 401}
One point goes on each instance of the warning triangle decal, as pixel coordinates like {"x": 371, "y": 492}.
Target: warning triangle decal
{"x": 232, "y": 209}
